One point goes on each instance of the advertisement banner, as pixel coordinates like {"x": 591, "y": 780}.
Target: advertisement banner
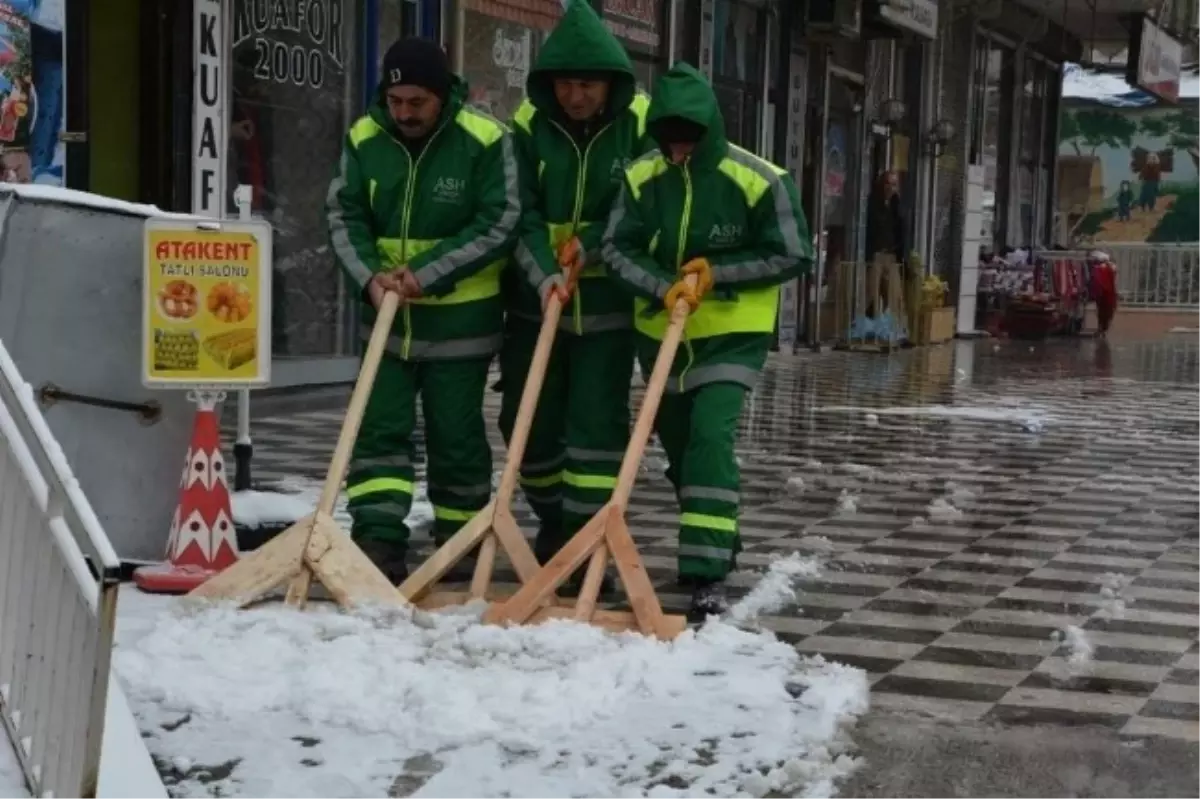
{"x": 206, "y": 317}
{"x": 31, "y": 91}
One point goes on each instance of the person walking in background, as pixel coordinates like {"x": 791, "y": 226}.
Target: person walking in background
{"x": 885, "y": 240}
{"x": 700, "y": 206}
{"x": 426, "y": 204}
{"x": 582, "y": 123}
{"x": 1103, "y": 289}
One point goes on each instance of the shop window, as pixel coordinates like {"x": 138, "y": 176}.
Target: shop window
{"x": 294, "y": 77}
{"x": 497, "y": 57}
{"x": 739, "y": 46}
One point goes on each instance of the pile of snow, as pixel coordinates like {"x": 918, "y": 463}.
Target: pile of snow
{"x": 940, "y": 510}
{"x": 1077, "y": 647}
{"x": 1112, "y": 595}
{"x": 12, "y": 781}
{"x": 775, "y": 590}
{"x": 847, "y": 503}
{"x": 271, "y": 702}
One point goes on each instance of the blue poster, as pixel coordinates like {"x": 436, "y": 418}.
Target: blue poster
{"x": 31, "y": 91}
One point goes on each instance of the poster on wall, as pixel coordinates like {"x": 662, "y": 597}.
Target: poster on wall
{"x": 32, "y": 91}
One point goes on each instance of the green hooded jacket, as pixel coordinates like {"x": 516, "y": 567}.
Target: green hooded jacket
{"x": 571, "y": 188}
{"x": 725, "y": 204}
{"x": 451, "y": 215}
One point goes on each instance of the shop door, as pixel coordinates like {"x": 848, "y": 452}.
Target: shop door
{"x": 834, "y": 187}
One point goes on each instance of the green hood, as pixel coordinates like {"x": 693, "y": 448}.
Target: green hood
{"x": 581, "y": 42}
{"x": 684, "y": 92}
{"x": 454, "y": 102}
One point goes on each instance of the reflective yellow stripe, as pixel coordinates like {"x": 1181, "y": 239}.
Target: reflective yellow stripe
{"x": 378, "y": 485}
{"x": 523, "y": 118}
{"x": 640, "y": 108}
{"x": 479, "y": 286}
{"x": 753, "y": 311}
{"x": 452, "y": 514}
{"x": 372, "y": 185}
{"x": 708, "y": 522}
{"x": 642, "y": 170}
{"x": 589, "y": 480}
{"x": 485, "y": 128}
{"x": 362, "y": 130}
{"x": 543, "y": 482}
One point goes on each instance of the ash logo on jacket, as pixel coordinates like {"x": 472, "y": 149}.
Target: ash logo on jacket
{"x": 449, "y": 190}
{"x": 724, "y": 235}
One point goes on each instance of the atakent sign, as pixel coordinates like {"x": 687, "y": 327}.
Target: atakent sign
{"x": 1155, "y": 61}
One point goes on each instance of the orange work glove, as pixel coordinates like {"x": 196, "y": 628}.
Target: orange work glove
{"x": 702, "y": 269}
{"x": 555, "y": 286}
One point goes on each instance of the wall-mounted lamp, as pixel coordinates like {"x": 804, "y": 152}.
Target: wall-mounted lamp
{"x": 891, "y": 114}
{"x": 940, "y": 135}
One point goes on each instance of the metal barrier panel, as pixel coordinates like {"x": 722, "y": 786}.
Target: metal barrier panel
{"x": 57, "y": 615}
{"x": 1163, "y": 276}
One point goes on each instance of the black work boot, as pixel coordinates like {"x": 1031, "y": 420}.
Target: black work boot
{"x": 708, "y": 599}
{"x": 388, "y": 557}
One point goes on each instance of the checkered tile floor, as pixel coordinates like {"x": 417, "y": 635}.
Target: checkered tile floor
{"x": 1045, "y": 487}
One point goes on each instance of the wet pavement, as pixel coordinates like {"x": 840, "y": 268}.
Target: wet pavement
{"x": 1011, "y": 536}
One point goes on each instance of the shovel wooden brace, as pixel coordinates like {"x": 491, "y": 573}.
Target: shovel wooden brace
{"x": 607, "y": 533}
{"x": 495, "y": 524}
{"x": 316, "y": 546}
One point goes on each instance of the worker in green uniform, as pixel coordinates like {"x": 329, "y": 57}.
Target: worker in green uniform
{"x": 582, "y": 123}
{"x": 426, "y": 203}
{"x": 701, "y": 206}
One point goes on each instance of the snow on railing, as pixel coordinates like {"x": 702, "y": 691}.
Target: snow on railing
{"x": 57, "y": 613}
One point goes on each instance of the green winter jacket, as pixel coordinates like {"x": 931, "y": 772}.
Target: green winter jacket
{"x": 724, "y": 204}
{"x": 572, "y": 190}
{"x": 452, "y": 215}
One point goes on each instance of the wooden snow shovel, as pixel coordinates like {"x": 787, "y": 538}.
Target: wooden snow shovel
{"x": 316, "y": 546}
{"x": 495, "y": 523}
{"x": 607, "y": 532}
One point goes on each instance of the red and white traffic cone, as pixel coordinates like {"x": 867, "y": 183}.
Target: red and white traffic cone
{"x": 202, "y": 539}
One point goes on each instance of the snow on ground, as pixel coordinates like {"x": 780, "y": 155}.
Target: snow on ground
{"x": 1112, "y": 595}
{"x": 1077, "y": 647}
{"x": 271, "y": 702}
{"x": 1032, "y": 420}
{"x": 12, "y": 781}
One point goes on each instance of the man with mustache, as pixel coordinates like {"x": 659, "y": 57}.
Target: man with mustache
{"x": 426, "y": 204}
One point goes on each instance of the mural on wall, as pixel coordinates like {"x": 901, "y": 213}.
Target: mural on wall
{"x": 31, "y": 91}
{"x": 1129, "y": 174}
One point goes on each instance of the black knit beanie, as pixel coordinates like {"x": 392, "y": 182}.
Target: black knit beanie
{"x": 416, "y": 62}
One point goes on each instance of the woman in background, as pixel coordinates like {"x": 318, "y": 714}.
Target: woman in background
{"x": 1104, "y": 289}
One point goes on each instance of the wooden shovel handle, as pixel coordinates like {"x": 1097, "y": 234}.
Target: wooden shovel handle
{"x": 651, "y": 399}
{"x": 529, "y": 399}
{"x": 358, "y": 401}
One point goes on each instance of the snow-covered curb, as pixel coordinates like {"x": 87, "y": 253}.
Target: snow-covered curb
{"x": 271, "y": 702}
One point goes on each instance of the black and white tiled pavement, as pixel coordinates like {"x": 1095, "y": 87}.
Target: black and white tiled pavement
{"x": 1024, "y": 551}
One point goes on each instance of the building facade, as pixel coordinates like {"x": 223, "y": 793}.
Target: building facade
{"x": 960, "y": 99}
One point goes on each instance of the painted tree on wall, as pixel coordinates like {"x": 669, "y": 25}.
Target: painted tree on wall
{"x": 1095, "y": 128}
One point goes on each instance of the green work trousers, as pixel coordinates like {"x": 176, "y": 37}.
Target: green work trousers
{"x": 380, "y": 482}
{"x": 580, "y": 429}
{"x": 698, "y": 430}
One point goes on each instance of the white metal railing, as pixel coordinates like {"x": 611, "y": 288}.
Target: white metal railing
{"x": 57, "y": 614}
{"x": 1156, "y": 275}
